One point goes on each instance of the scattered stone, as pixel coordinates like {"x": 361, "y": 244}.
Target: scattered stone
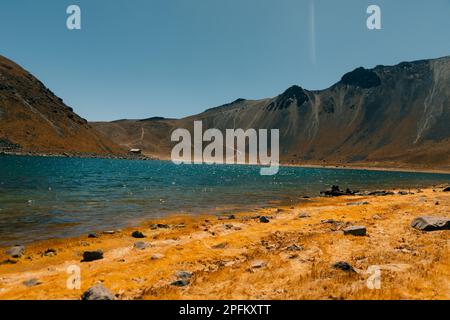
{"x": 109, "y": 232}
{"x": 8, "y": 261}
{"x": 92, "y": 256}
{"x": 32, "y": 283}
{"x": 180, "y": 283}
{"x": 377, "y": 217}
{"x": 180, "y": 226}
{"x": 381, "y": 193}
{"x": 159, "y": 226}
{"x": 264, "y": 219}
{"x": 16, "y": 251}
{"x": 447, "y": 189}
{"x": 335, "y": 191}
{"x": 329, "y": 221}
{"x": 140, "y": 245}
{"x": 98, "y": 292}
{"x": 403, "y": 193}
{"x": 258, "y": 264}
{"x": 303, "y": 215}
{"x": 344, "y": 266}
{"x": 92, "y": 235}
{"x": 157, "y": 256}
{"x": 431, "y": 223}
{"x": 220, "y": 246}
{"x": 183, "y": 275}
{"x": 358, "y": 203}
{"x": 137, "y": 235}
{"x": 437, "y": 203}
{"x": 355, "y": 231}
{"x": 49, "y": 252}
{"x": 295, "y": 247}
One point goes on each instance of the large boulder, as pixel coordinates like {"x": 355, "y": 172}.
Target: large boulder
{"x": 431, "y": 223}
{"x": 98, "y": 292}
{"x": 16, "y": 251}
{"x": 355, "y": 231}
{"x": 138, "y": 235}
{"x": 92, "y": 255}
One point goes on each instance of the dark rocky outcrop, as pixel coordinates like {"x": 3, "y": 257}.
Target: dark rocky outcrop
{"x": 6, "y": 145}
{"x": 362, "y": 78}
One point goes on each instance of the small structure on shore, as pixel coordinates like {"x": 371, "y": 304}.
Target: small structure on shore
{"x": 136, "y": 151}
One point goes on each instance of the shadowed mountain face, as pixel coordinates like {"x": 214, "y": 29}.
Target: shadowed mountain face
{"x": 388, "y": 116}
{"x": 33, "y": 119}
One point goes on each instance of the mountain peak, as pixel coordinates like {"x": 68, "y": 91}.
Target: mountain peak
{"x": 287, "y": 98}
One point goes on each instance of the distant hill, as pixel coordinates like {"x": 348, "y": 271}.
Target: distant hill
{"x": 395, "y": 116}
{"x": 33, "y": 119}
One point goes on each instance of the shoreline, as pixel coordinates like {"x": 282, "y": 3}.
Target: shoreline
{"x": 214, "y": 249}
{"x": 143, "y": 157}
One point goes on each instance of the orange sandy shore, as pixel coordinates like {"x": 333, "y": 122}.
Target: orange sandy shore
{"x": 222, "y": 254}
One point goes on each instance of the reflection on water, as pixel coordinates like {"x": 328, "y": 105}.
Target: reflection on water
{"x": 58, "y": 197}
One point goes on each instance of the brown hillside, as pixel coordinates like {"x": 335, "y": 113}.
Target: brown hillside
{"x": 33, "y": 119}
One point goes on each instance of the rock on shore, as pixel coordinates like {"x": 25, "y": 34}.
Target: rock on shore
{"x": 431, "y": 223}
{"x": 98, "y": 292}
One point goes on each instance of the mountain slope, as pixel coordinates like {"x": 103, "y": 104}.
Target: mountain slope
{"x": 395, "y": 116}
{"x": 33, "y": 119}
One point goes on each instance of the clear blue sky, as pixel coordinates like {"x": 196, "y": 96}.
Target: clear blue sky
{"x": 172, "y": 58}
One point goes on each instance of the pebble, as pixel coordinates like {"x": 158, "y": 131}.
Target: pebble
{"x": 258, "y": 264}
{"x": 140, "y": 245}
{"x": 180, "y": 283}
{"x": 32, "y": 283}
{"x": 157, "y": 256}
{"x": 183, "y": 274}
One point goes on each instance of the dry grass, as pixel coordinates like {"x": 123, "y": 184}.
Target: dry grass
{"x": 415, "y": 265}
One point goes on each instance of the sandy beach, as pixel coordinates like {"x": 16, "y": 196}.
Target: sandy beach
{"x": 292, "y": 256}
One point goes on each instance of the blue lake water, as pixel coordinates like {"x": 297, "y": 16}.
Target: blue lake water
{"x": 43, "y": 198}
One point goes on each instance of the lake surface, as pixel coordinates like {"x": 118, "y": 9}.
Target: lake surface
{"x": 43, "y": 198}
